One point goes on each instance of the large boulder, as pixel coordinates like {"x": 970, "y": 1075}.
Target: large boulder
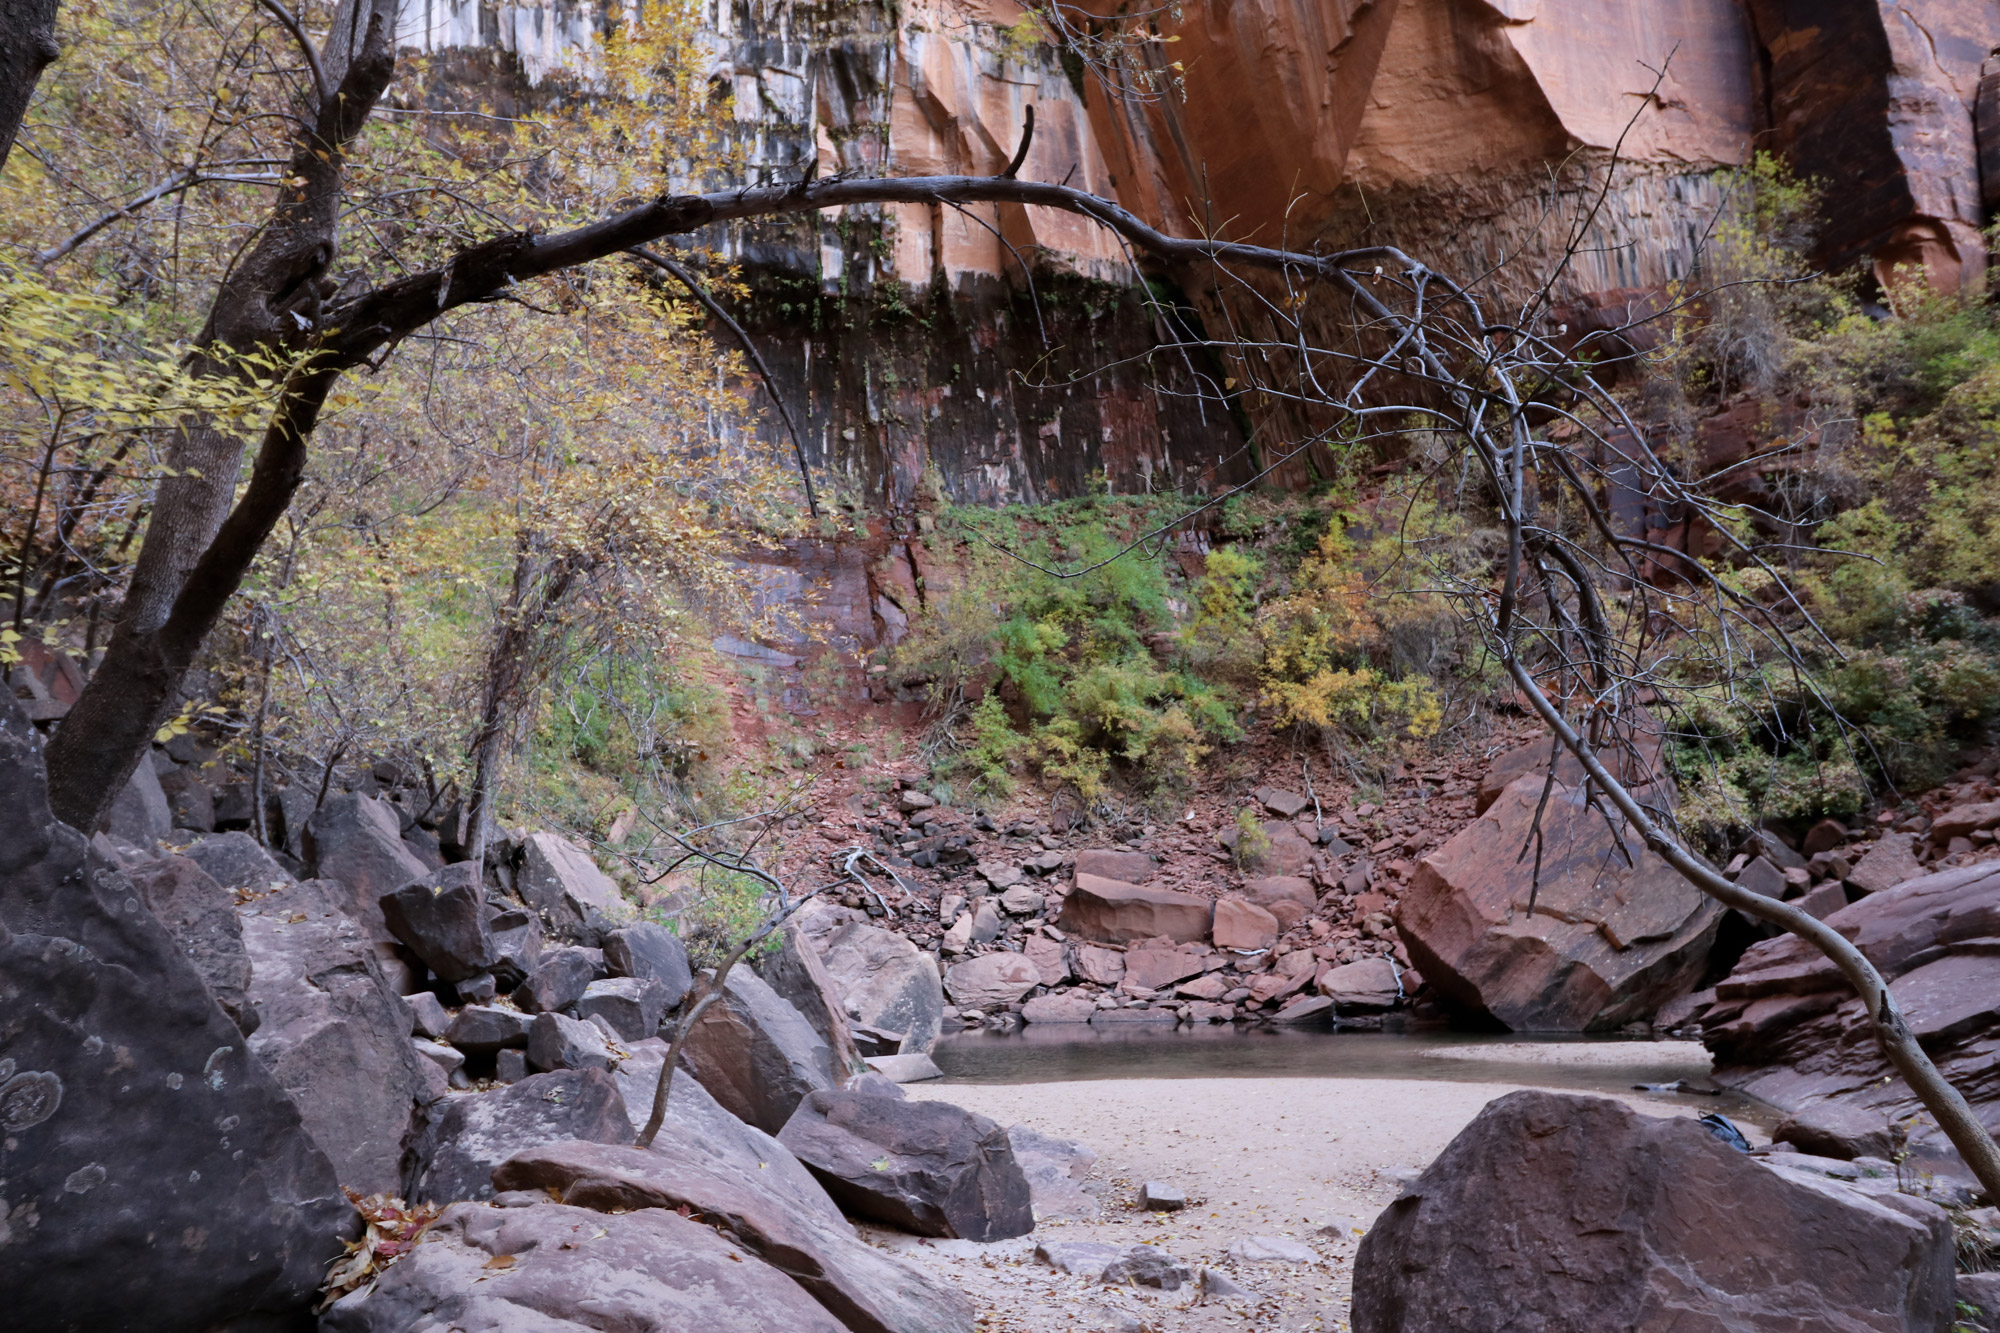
{"x": 1289, "y": 898}
{"x": 755, "y": 1053}
{"x": 201, "y": 916}
{"x": 548, "y": 1267}
{"x": 1607, "y": 944}
{"x": 238, "y": 861}
{"x": 632, "y": 1008}
{"x": 153, "y": 1175}
{"x": 1111, "y": 911}
{"x": 1244, "y": 926}
{"x": 559, "y": 880}
{"x": 650, "y": 953}
{"x": 930, "y": 1168}
{"x": 991, "y": 979}
{"x": 333, "y": 1030}
{"x": 558, "y": 980}
{"x": 886, "y": 983}
{"x": 443, "y": 919}
{"x": 1787, "y": 1028}
{"x": 1365, "y": 986}
{"x": 466, "y": 1135}
{"x": 1552, "y": 1211}
{"x": 357, "y": 841}
{"x": 795, "y": 972}
{"x": 139, "y": 814}
{"x": 744, "y": 1180}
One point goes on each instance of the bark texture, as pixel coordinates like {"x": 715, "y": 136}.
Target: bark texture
{"x": 27, "y": 47}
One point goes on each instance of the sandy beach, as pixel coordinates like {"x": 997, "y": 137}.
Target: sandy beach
{"x": 1311, "y": 1160}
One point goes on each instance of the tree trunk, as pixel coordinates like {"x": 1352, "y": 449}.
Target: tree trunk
{"x": 27, "y": 46}
{"x": 508, "y": 668}
{"x": 197, "y": 549}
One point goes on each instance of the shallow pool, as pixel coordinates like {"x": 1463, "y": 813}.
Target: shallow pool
{"x": 1073, "y": 1053}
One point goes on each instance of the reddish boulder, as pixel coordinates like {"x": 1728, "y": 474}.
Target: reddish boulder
{"x": 991, "y": 979}
{"x": 1099, "y": 967}
{"x": 1157, "y": 969}
{"x": 1889, "y": 861}
{"x": 1552, "y": 1211}
{"x": 1289, "y": 898}
{"x": 1607, "y": 943}
{"x": 1051, "y": 960}
{"x": 1962, "y": 821}
{"x": 1114, "y": 912}
{"x": 1364, "y": 987}
{"x": 1059, "y": 1009}
{"x": 1242, "y": 925}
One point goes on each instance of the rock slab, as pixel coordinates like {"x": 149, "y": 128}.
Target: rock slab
{"x": 333, "y": 1030}
{"x": 1111, "y": 911}
{"x": 550, "y": 1267}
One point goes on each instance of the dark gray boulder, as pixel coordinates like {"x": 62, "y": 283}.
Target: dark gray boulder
{"x": 466, "y": 1135}
{"x": 756, "y": 1054}
{"x": 930, "y": 1168}
{"x": 1552, "y": 1211}
{"x": 548, "y": 1268}
{"x": 190, "y": 802}
{"x": 481, "y": 1029}
{"x": 517, "y": 945}
{"x": 238, "y": 861}
{"x": 443, "y": 919}
{"x": 556, "y": 1041}
{"x": 154, "y": 1178}
{"x": 649, "y": 953}
{"x": 557, "y": 981}
{"x": 201, "y": 916}
{"x": 357, "y": 841}
{"x": 140, "y": 815}
{"x": 333, "y": 1030}
{"x": 633, "y": 1008}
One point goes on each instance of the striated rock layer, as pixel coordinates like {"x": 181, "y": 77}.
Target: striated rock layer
{"x": 1787, "y": 1028}
{"x": 1472, "y": 134}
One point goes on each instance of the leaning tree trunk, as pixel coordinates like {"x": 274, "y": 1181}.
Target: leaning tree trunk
{"x": 27, "y": 46}
{"x": 197, "y": 549}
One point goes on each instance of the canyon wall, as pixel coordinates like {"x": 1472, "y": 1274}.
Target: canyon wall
{"x": 1008, "y": 353}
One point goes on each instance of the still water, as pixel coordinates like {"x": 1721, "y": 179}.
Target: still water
{"x": 1067, "y": 1053}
